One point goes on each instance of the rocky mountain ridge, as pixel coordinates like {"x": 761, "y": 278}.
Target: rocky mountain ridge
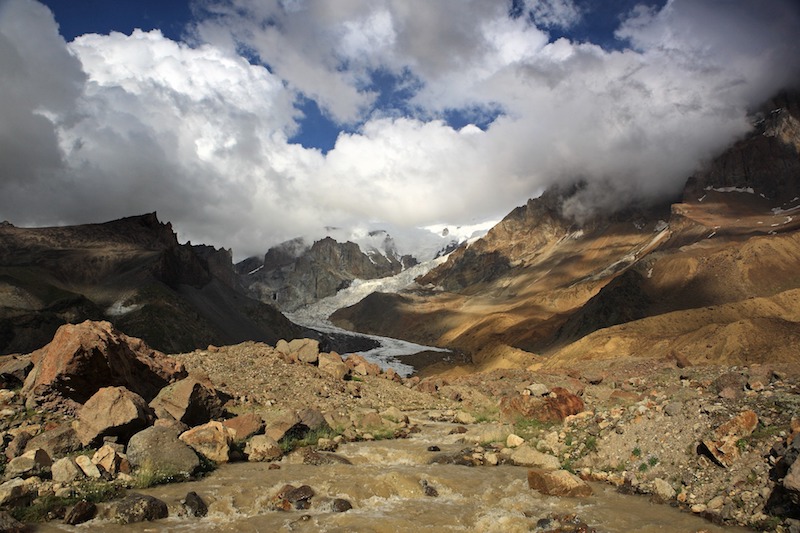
{"x": 133, "y": 272}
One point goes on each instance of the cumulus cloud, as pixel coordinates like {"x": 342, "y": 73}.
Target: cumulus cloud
{"x": 115, "y": 125}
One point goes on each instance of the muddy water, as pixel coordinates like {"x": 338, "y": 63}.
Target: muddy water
{"x": 384, "y": 485}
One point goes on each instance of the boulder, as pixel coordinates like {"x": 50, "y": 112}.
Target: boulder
{"x": 287, "y": 423}
{"x": 139, "y": 508}
{"x": 304, "y": 350}
{"x": 333, "y": 365}
{"x": 32, "y": 463}
{"x": 57, "y": 442}
{"x": 65, "y": 470}
{"x": 360, "y": 366}
{"x": 16, "y": 492}
{"x": 792, "y": 482}
{"x": 193, "y": 401}
{"x": 195, "y": 505}
{"x": 110, "y": 460}
{"x": 555, "y": 407}
{"x": 81, "y": 512}
{"x": 113, "y": 412}
{"x": 313, "y": 419}
{"x": 212, "y": 440}
{"x": 245, "y": 426}
{"x": 88, "y": 467}
{"x": 262, "y": 448}
{"x": 513, "y": 441}
{"x": 159, "y": 449}
{"x": 83, "y": 358}
{"x": 14, "y": 371}
{"x": 558, "y": 483}
{"x": 721, "y": 447}
{"x": 9, "y": 524}
{"x": 524, "y": 455}
{"x": 662, "y": 490}
{"x": 17, "y": 445}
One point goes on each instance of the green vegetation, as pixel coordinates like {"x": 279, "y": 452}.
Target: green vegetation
{"x": 527, "y": 428}
{"x": 45, "y": 507}
{"x": 643, "y": 467}
{"x": 637, "y": 452}
{"x": 149, "y": 476}
{"x": 293, "y": 440}
{"x": 591, "y": 443}
{"x": 653, "y": 460}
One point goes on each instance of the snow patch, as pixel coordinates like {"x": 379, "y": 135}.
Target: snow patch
{"x": 119, "y": 308}
{"x": 255, "y": 270}
{"x": 748, "y": 190}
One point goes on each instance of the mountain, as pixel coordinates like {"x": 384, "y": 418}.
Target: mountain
{"x": 294, "y": 274}
{"x": 710, "y": 276}
{"x": 132, "y": 272}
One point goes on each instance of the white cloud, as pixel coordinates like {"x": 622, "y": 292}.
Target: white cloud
{"x": 115, "y": 125}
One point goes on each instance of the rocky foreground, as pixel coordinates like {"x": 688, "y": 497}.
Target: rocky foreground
{"x": 95, "y": 416}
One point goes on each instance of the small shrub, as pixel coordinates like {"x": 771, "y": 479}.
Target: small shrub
{"x": 591, "y": 443}
{"x": 637, "y": 452}
{"x": 653, "y": 460}
{"x": 643, "y": 467}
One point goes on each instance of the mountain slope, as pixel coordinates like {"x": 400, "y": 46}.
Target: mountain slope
{"x": 541, "y": 290}
{"x": 132, "y": 272}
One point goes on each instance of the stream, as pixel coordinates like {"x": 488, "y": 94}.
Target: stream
{"x": 384, "y": 484}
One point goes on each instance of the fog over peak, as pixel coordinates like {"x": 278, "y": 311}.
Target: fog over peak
{"x": 205, "y": 131}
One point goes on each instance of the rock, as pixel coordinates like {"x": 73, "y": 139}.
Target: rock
{"x": 245, "y": 426}
{"x": 662, "y": 491}
{"x": 555, "y": 407}
{"x": 17, "y": 445}
{"x": 195, "y": 505}
{"x": 306, "y": 455}
{"x": 360, "y": 366}
{"x": 160, "y": 450}
{"x": 9, "y": 524}
{"x": 512, "y": 441}
{"x": 370, "y": 420}
{"x": 83, "y": 358}
{"x": 394, "y": 414}
{"x": 722, "y": 447}
{"x": 537, "y": 389}
{"x": 716, "y": 503}
{"x": 313, "y": 419}
{"x": 791, "y": 482}
{"x": 287, "y": 423}
{"x": 57, "y": 442}
{"x": 14, "y": 371}
{"x": 304, "y": 350}
{"x": 66, "y": 471}
{"x": 193, "y": 401}
{"x": 88, "y": 467}
{"x": 110, "y": 460}
{"x": 524, "y": 455}
{"x": 139, "y": 508}
{"x": 428, "y": 489}
{"x": 558, "y": 483}
{"x": 212, "y": 440}
{"x": 113, "y": 412}
{"x": 81, "y": 512}
{"x": 340, "y": 505}
{"x": 673, "y": 409}
{"x": 333, "y": 365}
{"x": 16, "y": 492}
{"x": 262, "y": 448}
{"x": 33, "y": 463}
{"x": 300, "y": 497}
{"x": 463, "y": 417}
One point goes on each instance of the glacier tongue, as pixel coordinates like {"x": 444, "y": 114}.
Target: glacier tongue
{"x": 316, "y": 316}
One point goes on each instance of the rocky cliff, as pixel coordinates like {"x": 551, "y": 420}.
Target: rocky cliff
{"x": 132, "y": 272}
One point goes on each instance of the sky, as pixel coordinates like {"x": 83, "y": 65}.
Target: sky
{"x": 246, "y": 123}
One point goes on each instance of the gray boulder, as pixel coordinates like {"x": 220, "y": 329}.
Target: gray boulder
{"x": 160, "y": 450}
